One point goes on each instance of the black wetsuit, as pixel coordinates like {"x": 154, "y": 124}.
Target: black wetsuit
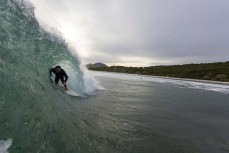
{"x": 59, "y": 76}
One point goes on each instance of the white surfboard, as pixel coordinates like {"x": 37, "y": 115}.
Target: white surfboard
{"x": 72, "y": 93}
{"x": 69, "y": 91}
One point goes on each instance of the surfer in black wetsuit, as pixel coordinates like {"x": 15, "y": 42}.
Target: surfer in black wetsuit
{"x": 60, "y": 75}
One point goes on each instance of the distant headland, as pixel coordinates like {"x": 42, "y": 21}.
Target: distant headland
{"x": 204, "y": 71}
{"x": 96, "y": 65}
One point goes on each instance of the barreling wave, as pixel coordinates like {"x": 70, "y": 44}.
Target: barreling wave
{"x": 29, "y": 104}
{"x": 27, "y": 52}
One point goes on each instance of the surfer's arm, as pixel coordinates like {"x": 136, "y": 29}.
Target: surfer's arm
{"x": 65, "y": 76}
{"x": 50, "y": 74}
{"x": 50, "y": 71}
{"x": 65, "y": 79}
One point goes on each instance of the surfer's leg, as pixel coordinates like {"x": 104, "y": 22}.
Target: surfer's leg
{"x": 62, "y": 79}
{"x": 64, "y": 83}
{"x": 57, "y": 80}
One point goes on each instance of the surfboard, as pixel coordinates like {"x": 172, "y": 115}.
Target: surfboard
{"x": 69, "y": 91}
{"x": 72, "y": 93}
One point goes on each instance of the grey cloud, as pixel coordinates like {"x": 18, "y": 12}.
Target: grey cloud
{"x": 178, "y": 30}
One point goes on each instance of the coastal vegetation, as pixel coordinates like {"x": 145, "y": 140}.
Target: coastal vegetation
{"x": 205, "y": 71}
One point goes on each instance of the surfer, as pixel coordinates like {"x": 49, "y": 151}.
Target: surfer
{"x": 60, "y": 75}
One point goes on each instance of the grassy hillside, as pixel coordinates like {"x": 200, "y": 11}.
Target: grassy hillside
{"x": 210, "y": 71}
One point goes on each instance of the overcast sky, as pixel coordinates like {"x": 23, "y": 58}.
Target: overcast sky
{"x": 141, "y": 32}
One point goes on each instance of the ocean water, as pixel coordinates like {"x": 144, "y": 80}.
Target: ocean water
{"x": 134, "y": 114}
{"x": 119, "y": 113}
{"x": 150, "y": 114}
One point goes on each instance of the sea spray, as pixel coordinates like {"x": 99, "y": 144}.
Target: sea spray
{"x": 90, "y": 83}
{"x": 4, "y": 145}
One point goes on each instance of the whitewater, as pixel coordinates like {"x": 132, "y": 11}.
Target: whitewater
{"x": 117, "y": 113}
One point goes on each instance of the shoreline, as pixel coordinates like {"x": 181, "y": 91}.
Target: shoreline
{"x": 171, "y": 78}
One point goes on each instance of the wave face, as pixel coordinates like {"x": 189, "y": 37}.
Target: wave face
{"x": 26, "y": 53}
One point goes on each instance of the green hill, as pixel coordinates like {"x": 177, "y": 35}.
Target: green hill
{"x": 207, "y": 71}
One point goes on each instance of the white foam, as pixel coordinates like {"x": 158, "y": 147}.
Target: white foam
{"x": 4, "y": 145}
{"x": 178, "y": 82}
{"x": 90, "y": 83}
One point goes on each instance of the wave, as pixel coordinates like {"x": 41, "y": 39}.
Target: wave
{"x": 27, "y": 51}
